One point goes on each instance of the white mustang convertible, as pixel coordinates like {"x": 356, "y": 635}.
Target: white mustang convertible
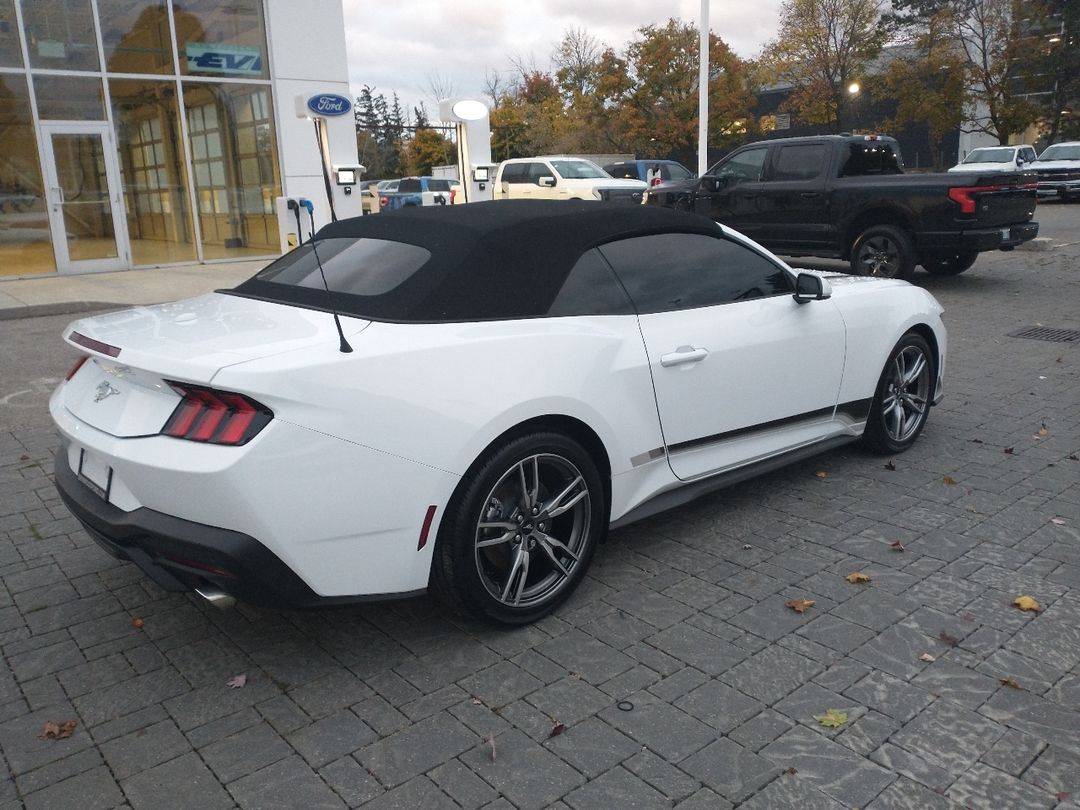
{"x": 467, "y": 399}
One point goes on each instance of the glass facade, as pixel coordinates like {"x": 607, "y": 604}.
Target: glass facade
{"x": 136, "y": 132}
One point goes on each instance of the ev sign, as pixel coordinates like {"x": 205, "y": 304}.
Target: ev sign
{"x": 236, "y": 60}
{"x": 329, "y": 105}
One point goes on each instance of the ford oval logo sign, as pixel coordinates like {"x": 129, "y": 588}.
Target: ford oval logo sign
{"x": 329, "y": 104}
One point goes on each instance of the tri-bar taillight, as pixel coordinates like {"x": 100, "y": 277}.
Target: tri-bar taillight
{"x": 216, "y": 417}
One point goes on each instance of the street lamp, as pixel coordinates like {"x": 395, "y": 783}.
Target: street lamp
{"x": 853, "y": 93}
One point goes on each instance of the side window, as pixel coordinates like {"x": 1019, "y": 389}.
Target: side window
{"x": 675, "y": 271}
{"x": 538, "y": 170}
{"x": 799, "y": 162}
{"x": 591, "y": 289}
{"x": 514, "y": 173}
{"x": 744, "y": 167}
{"x": 438, "y": 185}
{"x": 871, "y": 157}
{"x": 1028, "y": 154}
{"x": 409, "y": 185}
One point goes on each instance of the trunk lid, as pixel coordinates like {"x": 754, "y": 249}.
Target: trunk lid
{"x": 123, "y": 389}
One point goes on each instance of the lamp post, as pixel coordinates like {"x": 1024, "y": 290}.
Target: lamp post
{"x": 853, "y": 90}
{"x": 703, "y": 90}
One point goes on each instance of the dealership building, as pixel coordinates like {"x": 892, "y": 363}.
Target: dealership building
{"x": 140, "y": 133}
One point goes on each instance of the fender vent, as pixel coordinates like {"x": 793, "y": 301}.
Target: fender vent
{"x": 1046, "y": 333}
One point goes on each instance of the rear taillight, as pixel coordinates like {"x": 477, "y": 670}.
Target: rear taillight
{"x": 383, "y": 202}
{"x": 965, "y": 198}
{"x": 216, "y": 417}
{"x": 75, "y": 367}
{"x": 453, "y": 194}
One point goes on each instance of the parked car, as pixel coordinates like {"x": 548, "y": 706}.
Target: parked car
{"x": 997, "y": 159}
{"x": 383, "y": 190}
{"x": 652, "y": 172}
{"x": 1058, "y": 168}
{"x": 847, "y": 197}
{"x": 508, "y": 381}
{"x": 419, "y": 191}
{"x": 561, "y": 178}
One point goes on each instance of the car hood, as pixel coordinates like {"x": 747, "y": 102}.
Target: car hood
{"x": 984, "y": 167}
{"x": 195, "y": 338}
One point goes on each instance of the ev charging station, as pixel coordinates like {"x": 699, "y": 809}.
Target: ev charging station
{"x": 329, "y": 189}
{"x": 475, "y": 169}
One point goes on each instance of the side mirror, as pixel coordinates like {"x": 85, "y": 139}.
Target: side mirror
{"x": 1019, "y": 161}
{"x": 712, "y": 183}
{"x": 547, "y": 182}
{"x": 809, "y": 287}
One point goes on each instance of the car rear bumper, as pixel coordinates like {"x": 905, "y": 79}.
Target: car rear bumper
{"x": 182, "y": 555}
{"x": 978, "y": 239}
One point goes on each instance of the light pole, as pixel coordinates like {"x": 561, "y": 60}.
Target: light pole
{"x": 703, "y": 91}
{"x": 853, "y": 90}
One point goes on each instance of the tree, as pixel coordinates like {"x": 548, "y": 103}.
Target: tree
{"x": 1049, "y": 64}
{"x": 426, "y": 149}
{"x": 821, "y": 47}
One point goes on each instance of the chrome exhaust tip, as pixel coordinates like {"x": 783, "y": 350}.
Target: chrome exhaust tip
{"x": 216, "y": 597}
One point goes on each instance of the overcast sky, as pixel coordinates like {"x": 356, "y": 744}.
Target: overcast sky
{"x": 399, "y": 44}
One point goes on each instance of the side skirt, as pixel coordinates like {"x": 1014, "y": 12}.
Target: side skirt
{"x": 689, "y": 492}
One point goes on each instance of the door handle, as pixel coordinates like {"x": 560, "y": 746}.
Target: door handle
{"x": 683, "y": 354}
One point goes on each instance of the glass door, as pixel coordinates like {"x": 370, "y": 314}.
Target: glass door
{"x": 84, "y": 197}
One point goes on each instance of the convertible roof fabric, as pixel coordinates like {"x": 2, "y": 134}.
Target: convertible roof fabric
{"x": 489, "y": 260}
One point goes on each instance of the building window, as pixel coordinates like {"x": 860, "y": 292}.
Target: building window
{"x": 60, "y": 34}
{"x": 10, "y": 52}
{"x": 221, "y": 39}
{"x": 136, "y": 36}
{"x": 69, "y": 98}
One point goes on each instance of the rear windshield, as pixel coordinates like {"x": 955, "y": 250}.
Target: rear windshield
{"x": 362, "y": 268}
{"x": 870, "y": 158}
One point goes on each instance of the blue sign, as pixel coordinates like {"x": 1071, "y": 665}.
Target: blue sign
{"x": 329, "y": 104}
{"x": 221, "y": 58}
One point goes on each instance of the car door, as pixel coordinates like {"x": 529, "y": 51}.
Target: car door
{"x": 740, "y": 370}
{"x": 729, "y": 192}
{"x": 794, "y": 206}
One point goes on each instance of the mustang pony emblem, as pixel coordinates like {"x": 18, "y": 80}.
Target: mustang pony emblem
{"x": 104, "y": 391}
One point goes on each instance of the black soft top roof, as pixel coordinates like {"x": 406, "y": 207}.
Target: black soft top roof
{"x": 499, "y": 259}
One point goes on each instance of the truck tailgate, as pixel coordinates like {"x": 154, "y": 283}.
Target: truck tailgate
{"x": 1001, "y": 199}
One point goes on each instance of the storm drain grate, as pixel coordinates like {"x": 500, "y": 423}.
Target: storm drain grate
{"x": 1046, "y": 333}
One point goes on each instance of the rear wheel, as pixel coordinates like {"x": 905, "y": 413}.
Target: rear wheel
{"x": 950, "y": 264}
{"x": 519, "y": 534}
{"x": 884, "y": 251}
{"x": 902, "y": 401}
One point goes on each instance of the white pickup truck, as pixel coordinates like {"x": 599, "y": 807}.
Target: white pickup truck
{"x": 557, "y": 177}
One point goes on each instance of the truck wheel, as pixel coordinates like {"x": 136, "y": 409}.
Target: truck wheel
{"x": 950, "y": 264}
{"x": 884, "y": 251}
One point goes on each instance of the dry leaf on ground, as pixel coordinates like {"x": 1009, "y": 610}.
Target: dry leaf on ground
{"x": 856, "y": 577}
{"x": 1057, "y": 521}
{"x": 556, "y": 730}
{"x": 952, "y": 641}
{"x": 237, "y": 681}
{"x": 477, "y": 702}
{"x": 896, "y": 545}
{"x": 821, "y": 474}
{"x": 800, "y": 605}
{"x": 1044, "y": 431}
{"x": 1009, "y": 682}
{"x": 890, "y": 466}
{"x": 1009, "y": 451}
{"x": 948, "y": 481}
{"x": 833, "y": 718}
{"x": 58, "y": 731}
{"x": 137, "y": 623}
{"x": 1027, "y": 603}
{"x": 927, "y": 657}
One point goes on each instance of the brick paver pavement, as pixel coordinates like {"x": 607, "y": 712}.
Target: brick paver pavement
{"x": 680, "y": 676}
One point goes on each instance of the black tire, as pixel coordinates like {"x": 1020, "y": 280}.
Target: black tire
{"x": 884, "y": 251}
{"x": 950, "y": 264}
{"x": 525, "y": 562}
{"x": 899, "y": 410}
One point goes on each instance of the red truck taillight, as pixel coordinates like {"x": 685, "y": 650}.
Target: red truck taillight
{"x": 216, "y": 417}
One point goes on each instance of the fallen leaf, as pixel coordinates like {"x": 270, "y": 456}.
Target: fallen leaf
{"x": 24, "y": 458}
{"x": 1057, "y": 521}
{"x": 1062, "y": 796}
{"x": 952, "y": 641}
{"x": 949, "y": 481}
{"x": 833, "y": 718}
{"x": 237, "y": 681}
{"x": 928, "y": 658}
{"x": 477, "y": 702}
{"x": 1043, "y": 431}
{"x": 800, "y": 605}
{"x": 1058, "y": 360}
{"x": 137, "y": 623}
{"x": 1009, "y": 682}
{"x": 791, "y": 771}
{"x": 1010, "y": 451}
{"x": 556, "y": 730}
{"x": 58, "y": 731}
{"x": 821, "y": 474}
{"x": 967, "y": 617}
{"x": 977, "y": 441}
{"x": 1027, "y": 603}
{"x": 856, "y": 577}
{"x": 896, "y": 545}
{"x": 491, "y": 741}
{"x": 1074, "y": 457}
{"x": 890, "y": 466}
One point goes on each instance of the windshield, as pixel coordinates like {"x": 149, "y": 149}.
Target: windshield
{"x": 578, "y": 169}
{"x": 1061, "y": 151}
{"x": 990, "y": 156}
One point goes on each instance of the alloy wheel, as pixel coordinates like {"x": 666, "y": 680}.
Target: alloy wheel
{"x": 905, "y": 398}
{"x": 880, "y": 256}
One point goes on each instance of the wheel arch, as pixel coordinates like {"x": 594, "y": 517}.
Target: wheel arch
{"x": 868, "y": 219}
{"x": 924, "y": 331}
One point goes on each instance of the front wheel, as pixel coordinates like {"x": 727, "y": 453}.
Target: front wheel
{"x": 950, "y": 264}
{"x": 884, "y": 251}
{"x": 901, "y": 402}
{"x": 520, "y": 532}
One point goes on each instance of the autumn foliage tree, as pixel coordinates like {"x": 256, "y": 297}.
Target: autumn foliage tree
{"x": 822, "y": 46}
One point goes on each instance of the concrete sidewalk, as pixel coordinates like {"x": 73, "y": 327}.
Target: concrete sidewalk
{"x": 59, "y": 295}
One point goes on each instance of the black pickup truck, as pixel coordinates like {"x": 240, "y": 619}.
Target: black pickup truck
{"x": 847, "y": 197}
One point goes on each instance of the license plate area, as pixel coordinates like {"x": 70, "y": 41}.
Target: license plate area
{"x": 95, "y": 473}
{"x": 1006, "y": 234}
